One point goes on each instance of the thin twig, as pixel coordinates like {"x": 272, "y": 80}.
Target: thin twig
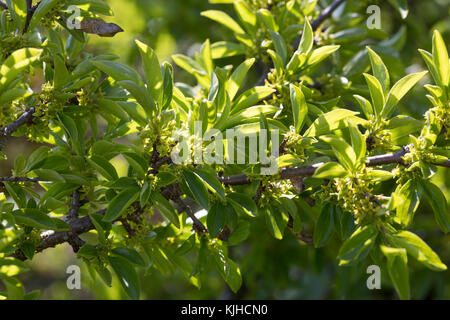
{"x": 307, "y": 171}
{"x": 19, "y": 179}
{"x": 30, "y": 13}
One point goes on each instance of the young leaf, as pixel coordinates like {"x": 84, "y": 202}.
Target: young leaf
{"x": 342, "y": 150}
{"x": 280, "y": 45}
{"x": 197, "y": 187}
{"x": 324, "y": 226}
{"x": 399, "y": 90}
{"x": 440, "y": 58}
{"x": 379, "y": 70}
{"x": 321, "y": 54}
{"x": 307, "y": 41}
{"x": 118, "y": 71}
{"x": 398, "y": 270}
{"x": 438, "y": 203}
{"x": 211, "y": 181}
{"x": 216, "y": 219}
{"x": 237, "y": 77}
{"x": 365, "y": 105}
{"x": 407, "y": 200}
{"x": 130, "y": 254}
{"x": 299, "y": 107}
{"x": 127, "y": 275}
{"x": 223, "y": 18}
{"x": 120, "y": 203}
{"x": 152, "y": 70}
{"x": 358, "y": 246}
{"x": 329, "y": 121}
{"x": 376, "y": 92}
{"x": 358, "y": 144}
{"x": 165, "y": 208}
{"x": 330, "y": 170}
{"x": 418, "y": 249}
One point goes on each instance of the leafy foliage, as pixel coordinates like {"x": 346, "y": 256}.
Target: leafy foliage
{"x": 352, "y": 167}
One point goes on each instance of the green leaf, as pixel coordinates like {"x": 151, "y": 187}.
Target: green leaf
{"x": 118, "y": 71}
{"x": 88, "y": 251}
{"x": 379, "y": 70}
{"x": 37, "y": 219}
{"x": 440, "y": 58}
{"x": 342, "y": 150}
{"x": 407, "y": 199}
{"x": 251, "y": 97}
{"x": 267, "y": 19}
{"x": 228, "y": 269}
{"x": 401, "y": 6}
{"x": 197, "y": 187}
{"x": 365, "y": 105}
{"x": 141, "y": 95}
{"x": 329, "y": 121}
{"x": 358, "y": 144}
{"x": 145, "y": 194}
{"x": 152, "y": 70}
{"x": 167, "y": 85}
{"x": 379, "y": 175}
{"x": 275, "y": 221}
{"x": 120, "y": 203}
{"x": 330, "y": 170}
{"x": 104, "y": 167}
{"x": 216, "y": 219}
{"x": 280, "y": 45}
{"x": 418, "y": 249}
{"x": 299, "y": 107}
{"x": 243, "y": 203}
{"x": 398, "y": 270}
{"x": 321, "y": 54}
{"x": 376, "y": 92}
{"x": 127, "y": 275}
{"x": 49, "y": 175}
{"x": 211, "y": 182}
{"x": 225, "y": 49}
{"x": 130, "y": 254}
{"x": 428, "y": 57}
{"x": 238, "y": 76}
{"x": 224, "y": 19}
{"x": 399, "y": 90}
{"x": 112, "y": 107}
{"x": 307, "y": 41}
{"x": 438, "y": 203}
{"x": 44, "y": 7}
{"x": 166, "y": 209}
{"x": 358, "y": 246}
{"x": 16, "y": 63}
{"x": 246, "y": 15}
{"x": 324, "y": 226}
{"x": 61, "y": 77}
{"x": 137, "y": 162}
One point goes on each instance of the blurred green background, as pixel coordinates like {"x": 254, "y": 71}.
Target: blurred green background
{"x": 271, "y": 269}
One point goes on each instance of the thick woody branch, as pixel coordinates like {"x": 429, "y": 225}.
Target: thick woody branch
{"x": 51, "y": 239}
{"x": 23, "y": 119}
